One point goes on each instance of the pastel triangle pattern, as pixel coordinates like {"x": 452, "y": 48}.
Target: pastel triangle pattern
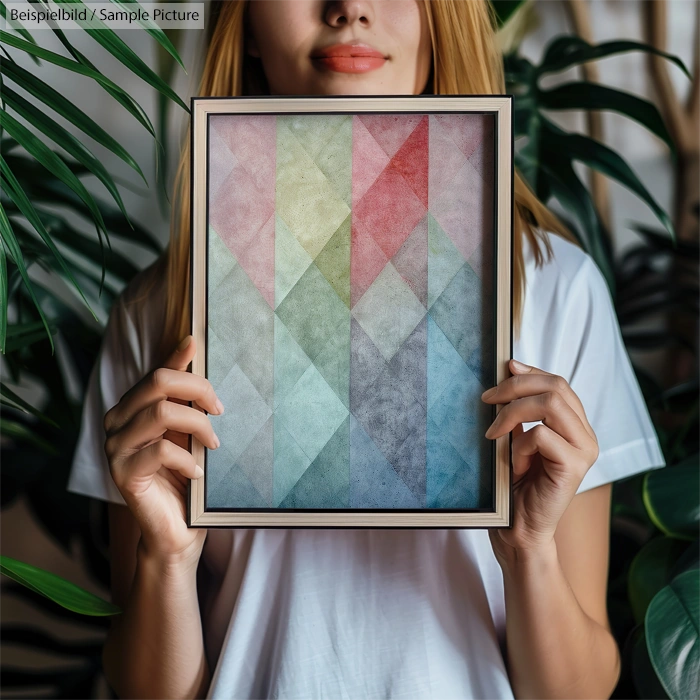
{"x": 350, "y": 286}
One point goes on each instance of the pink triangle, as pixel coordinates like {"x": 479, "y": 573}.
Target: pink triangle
{"x": 367, "y": 261}
{"x": 445, "y": 161}
{"x": 252, "y": 138}
{"x": 258, "y": 261}
{"x": 390, "y": 130}
{"x": 465, "y": 130}
{"x": 368, "y": 159}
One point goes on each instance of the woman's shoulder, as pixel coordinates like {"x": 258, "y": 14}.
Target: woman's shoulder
{"x": 563, "y": 259}
{"x": 566, "y": 297}
{"x": 567, "y": 278}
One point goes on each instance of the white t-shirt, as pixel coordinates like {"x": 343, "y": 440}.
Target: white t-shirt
{"x": 417, "y": 614}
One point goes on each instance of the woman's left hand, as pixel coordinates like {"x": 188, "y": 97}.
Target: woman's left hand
{"x": 549, "y": 460}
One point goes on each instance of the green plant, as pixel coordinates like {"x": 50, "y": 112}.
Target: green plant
{"x": 654, "y": 574}
{"x": 661, "y": 579}
{"x": 37, "y": 180}
{"x": 48, "y": 254}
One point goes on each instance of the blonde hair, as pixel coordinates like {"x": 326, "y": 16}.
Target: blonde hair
{"x": 466, "y": 60}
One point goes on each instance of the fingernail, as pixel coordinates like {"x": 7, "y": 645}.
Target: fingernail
{"x": 219, "y": 406}
{"x": 489, "y": 392}
{"x": 184, "y": 343}
{"x": 487, "y": 433}
{"x": 217, "y": 441}
{"x": 521, "y": 367}
{"x": 198, "y": 472}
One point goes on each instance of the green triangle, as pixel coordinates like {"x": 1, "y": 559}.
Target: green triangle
{"x": 314, "y": 131}
{"x": 334, "y": 261}
{"x": 444, "y": 260}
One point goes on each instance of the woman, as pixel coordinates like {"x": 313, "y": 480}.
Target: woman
{"x": 504, "y": 613}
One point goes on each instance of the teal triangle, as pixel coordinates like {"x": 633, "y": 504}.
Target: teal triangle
{"x": 234, "y": 490}
{"x": 443, "y": 463}
{"x": 326, "y": 480}
{"x": 291, "y": 260}
{"x": 444, "y": 260}
{"x": 289, "y": 364}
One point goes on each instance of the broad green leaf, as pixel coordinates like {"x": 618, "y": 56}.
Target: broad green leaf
{"x": 519, "y": 71}
{"x": 649, "y": 572}
{"x": 565, "y": 186}
{"x": 116, "y": 46}
{"x": 672, "y": 626}
{"x": 592, "y": 96}
{"x": 58, "y": 589}
{"x": 599, "y": 157}
{"x": 646, "y": 682}
{"x": 671, "y": 497}
{"x": 20, "y": 199}
{"x": 53, "y": 99}
{"x": 566, "y": 51}
{"x": 65, "y": 140}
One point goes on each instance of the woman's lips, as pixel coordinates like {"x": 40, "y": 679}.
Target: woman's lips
{"x": 349, "y": 58}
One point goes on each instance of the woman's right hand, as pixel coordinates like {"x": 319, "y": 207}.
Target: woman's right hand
{"x": 146, "y": 446}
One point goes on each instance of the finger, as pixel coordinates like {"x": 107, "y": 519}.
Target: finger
{"x": 550, "y": 408}
{"x": 162, "y": 383}
{"x": 143, "y": 464}
{"x": 516, "y": 432}
{"x": 182, "y": 355}
{"x": 125, "y": 408}
{"x": 536, "y": 381}
{"x": 152, "y": 422}
{"x": 542, "y": 440}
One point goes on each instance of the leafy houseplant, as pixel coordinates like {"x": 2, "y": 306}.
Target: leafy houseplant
{"x": 46, "y": 213}
{"x": 658, "y": 631}
{"x": 654, "y": 587}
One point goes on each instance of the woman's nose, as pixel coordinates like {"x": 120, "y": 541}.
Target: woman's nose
{"x": 342, "y": 12}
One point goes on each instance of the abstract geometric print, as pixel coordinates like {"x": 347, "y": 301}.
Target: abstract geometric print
{"x": 350, "y": 310}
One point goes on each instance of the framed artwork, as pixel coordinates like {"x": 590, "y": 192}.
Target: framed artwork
{"x": 351, "y": 267}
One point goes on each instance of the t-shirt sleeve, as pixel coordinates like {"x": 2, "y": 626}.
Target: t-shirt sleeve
{"x": 593, "y": 358}
{"x": 117, "y": 368}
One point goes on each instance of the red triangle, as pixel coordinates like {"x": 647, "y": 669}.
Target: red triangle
{"x": 411, "y": 160}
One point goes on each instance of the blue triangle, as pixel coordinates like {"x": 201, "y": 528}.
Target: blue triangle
{"x": 373, "y": 481}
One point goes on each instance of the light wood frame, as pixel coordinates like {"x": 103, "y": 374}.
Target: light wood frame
{"x": 501, "y": 107}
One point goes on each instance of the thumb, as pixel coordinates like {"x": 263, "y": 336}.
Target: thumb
{"x": 182, "y": 355}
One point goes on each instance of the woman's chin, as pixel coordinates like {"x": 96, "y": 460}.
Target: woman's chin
{"x": 354, "y": 84}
